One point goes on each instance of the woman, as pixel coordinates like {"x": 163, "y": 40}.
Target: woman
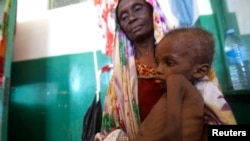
{"x": 132, "y": 33}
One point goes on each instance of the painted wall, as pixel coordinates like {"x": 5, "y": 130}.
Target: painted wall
{"x": 50, "y": 96}
{"x": 217, "y": 24}
{"x": 43, "y": 33}
{"x": 53, "y": 70}
{"x": 242, "y": 13}
{"x": 72, "y": 29}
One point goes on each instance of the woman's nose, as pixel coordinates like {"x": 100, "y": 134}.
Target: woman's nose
{"x": 132, "y": 18}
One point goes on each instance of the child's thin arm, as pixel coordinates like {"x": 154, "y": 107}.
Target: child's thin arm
{"x": 164, "y": 122}
{"x": 175, "y": 94}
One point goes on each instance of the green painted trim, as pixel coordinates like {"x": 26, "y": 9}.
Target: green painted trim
{"x": 218, "y": 23}
{"x": 208, "y": 22}
{"x": 225, "y": 20}
{"x": 240, "y": 106}
{"x": 10, "y": 40}
{"x": 50, "y": 96}
{"x": 7, "y": 69}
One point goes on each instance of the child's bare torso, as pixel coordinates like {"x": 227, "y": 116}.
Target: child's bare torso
{"x": 155, "y": 128}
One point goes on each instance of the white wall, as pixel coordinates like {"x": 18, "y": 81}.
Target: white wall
{"x": 43, "y": 33}
{"x": 241, "y": 9}
{"x": 67, "y": 30}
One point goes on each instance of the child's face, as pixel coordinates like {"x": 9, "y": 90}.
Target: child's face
{"x": 172, "y": 57}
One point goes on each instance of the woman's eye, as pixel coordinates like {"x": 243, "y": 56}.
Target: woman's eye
{"x": 124, "y": 17}
{"x": 137, "y": 8}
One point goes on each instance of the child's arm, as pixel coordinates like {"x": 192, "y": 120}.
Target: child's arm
{"x": 172, "y": 118}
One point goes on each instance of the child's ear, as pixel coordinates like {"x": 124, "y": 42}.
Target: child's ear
{"x": 201, "y": 71}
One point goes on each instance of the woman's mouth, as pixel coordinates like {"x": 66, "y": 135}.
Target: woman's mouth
{"x": 136, "y": 28}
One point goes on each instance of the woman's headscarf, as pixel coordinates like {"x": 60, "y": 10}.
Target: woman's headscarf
{"x": 121, "y": 102}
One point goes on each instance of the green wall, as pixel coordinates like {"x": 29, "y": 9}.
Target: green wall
{"x": 215, "y": 23}
{"x": 49, "y": 96}
{"x": 224, "y": 20}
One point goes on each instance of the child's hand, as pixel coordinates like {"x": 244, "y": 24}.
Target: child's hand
{"x": 178, "y": 84}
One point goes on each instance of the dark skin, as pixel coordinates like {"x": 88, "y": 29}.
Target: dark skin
{"x": 136, "y": 20}
{"x": 178, "y": 115}
{"x": 173, "y": 57}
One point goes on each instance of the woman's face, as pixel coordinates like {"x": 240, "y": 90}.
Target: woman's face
{"x": 135, "y": 18}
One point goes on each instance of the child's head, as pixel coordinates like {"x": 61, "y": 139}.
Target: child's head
{"x": 187, "y": 51}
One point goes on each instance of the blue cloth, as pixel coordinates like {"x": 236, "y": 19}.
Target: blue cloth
{"x": 183, "y": 10}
